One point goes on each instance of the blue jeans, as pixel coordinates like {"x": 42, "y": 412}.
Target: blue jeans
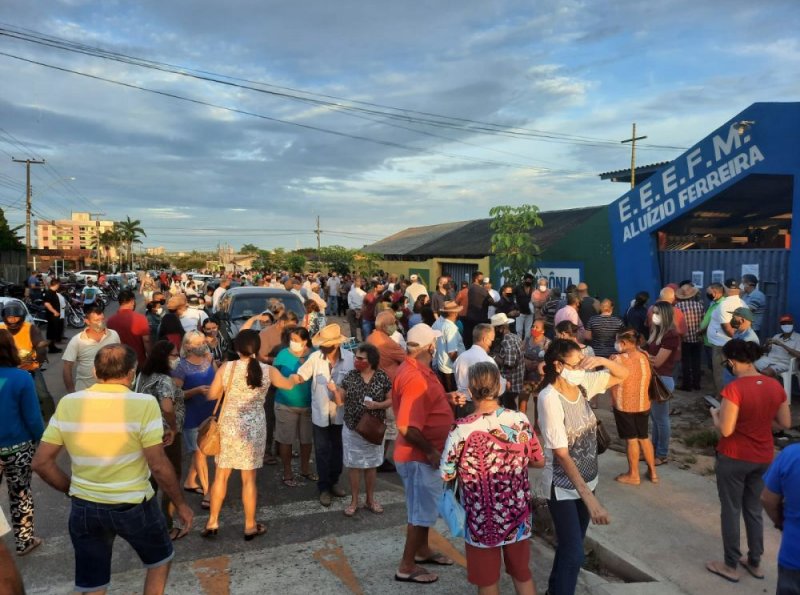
{"x": 788, "y": 581}
{"x": 333, "y": 305}
{"x": 367, "y": 326}
{"x": 328, "y": 455}
{"x": 659, "y": 414}
{"x": 570, "y": 521}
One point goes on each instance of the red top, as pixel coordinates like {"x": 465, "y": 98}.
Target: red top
{"x": 368, "y": 307}
{"x": 131, "y": 327}
{"x": 672, "y": 343}
{"x": 419, "y": 401}
{"x": 758, "y": 398}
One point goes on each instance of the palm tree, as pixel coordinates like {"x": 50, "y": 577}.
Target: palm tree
{"x": 108, "y": 239}
{"x": 130, "y": 232}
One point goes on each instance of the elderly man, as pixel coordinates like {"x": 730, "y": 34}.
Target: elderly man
{"x": 114, "y": 438}
{"x": 509, "y": 357}
{"x": 602, "y": 330}
{"x": 667, "y": 296}
{"x": 780, "y": 349}
{"x": 415, "y": 289}
{"x": 79, "y": 356}
{"x": 482, "y": 340}
{"x": 692, "y": 344}
{"x": 449, "y": 345}
{"x": 424, "y": 417}
{"x": 589, "y": 306}
{"x": 355, "y": 302}
{"x": 754, "y": 298}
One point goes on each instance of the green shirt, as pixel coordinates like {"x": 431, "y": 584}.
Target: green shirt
{"x": 287, "y": 364}
{"x": 707, "y": 319}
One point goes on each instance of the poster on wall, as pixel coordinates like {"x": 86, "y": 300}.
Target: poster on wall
{"x": 697, "y": 279}
{"x": 750, "y": 269}
{"x": 718, "y": 277}
{"x": 560, "y": 276}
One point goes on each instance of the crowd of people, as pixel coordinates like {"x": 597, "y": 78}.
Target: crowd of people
{"x": 435, "y": 385}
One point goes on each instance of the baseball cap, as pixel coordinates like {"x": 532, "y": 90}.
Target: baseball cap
{"x": 413, "y": 277}
{"x": 786, "y": 318}
{"x": 745, "y": 313}
{"x": 731, "y": 283}
{"x": 486, "y": 280}
{"x": 421, "y": 334}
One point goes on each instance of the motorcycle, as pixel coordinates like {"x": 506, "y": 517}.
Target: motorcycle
{"x": 73, "y": 308}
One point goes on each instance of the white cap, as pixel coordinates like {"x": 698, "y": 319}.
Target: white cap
{"x": 500, "y": 319}
{"x": 413, "y": 277}
{"x": 421, "y": 334}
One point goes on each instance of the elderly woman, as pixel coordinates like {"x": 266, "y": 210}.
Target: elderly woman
{"x": 314, "y": 320}
{"x": 490, "y": 439}
{"x": 21, "y": 427}
{"x": 242, "y": 384}
{"x": 751, "y": 405}
{"x": 366, "y": 390}
{"x": 155, "y": 380}
{"x": 569, "y": 436}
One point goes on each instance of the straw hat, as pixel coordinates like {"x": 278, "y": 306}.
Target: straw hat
{"x": 450, "y": 306}
{"x": 686, "y": 292}
{"x": 328, "y": 336}
{"x": 500, "y": 319}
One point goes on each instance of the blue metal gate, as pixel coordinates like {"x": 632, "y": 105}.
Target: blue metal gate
{"x": 459, "y": 272}
{"x": 773, "y": 274}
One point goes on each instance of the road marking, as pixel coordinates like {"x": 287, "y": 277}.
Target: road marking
{"x": 214, "y": 575}
{"x": 333, "y": 558}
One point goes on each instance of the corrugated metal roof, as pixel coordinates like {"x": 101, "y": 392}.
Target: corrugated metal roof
{"x": 626, "y": 173}
{"x": 473, "y": 238}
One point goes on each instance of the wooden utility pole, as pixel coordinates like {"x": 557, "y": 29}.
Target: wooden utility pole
{"x": 318, "y": 231}
{"x": 28, "y": 163}
{"x": 632, "y": 140}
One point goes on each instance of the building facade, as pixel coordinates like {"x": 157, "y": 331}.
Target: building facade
{"x": 80, "y": 232}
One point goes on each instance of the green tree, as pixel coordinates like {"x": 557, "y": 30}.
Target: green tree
{"x": 9, "y": 240}
{"x": 337, "y": 258}
{"x": 295, "y": 263}
{"x": 130, "y": 232}
{"x": 250, "y": 249}
{"x": 513, "y": 244}
{"x": 191, "y": 262}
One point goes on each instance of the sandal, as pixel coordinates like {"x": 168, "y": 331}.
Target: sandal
{"x": 270, "y": 460}
{"x": 175, "y": 534}
{"x": 195, "y": 490}
{"x": 261, "y": 529}
{"x": 435, "y": 558}
{"x": 205, "y": 504}
{"x": 627, "y": 479}
{"x": 653, "y": 477}
{"x": 374, "y": 507}
{"x": 351, "y": 510}
{"x": 290, "y": 482}
{"x": 416, "y": 577}
{"x": 35, "y": 542}
{"x": 208, "y": 532}
{"x": 310, "y": 476}
{"x": 754, "y": 571}
{"x": 720, "y": 569}
{"x": 660, "y": 461}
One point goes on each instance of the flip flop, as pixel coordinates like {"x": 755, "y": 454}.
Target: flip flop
{"x": 309, "y": 476}
{"x": 713, "y": 568}
{"x": 260, "y": 530}
{"x": 35, "y": 542}
{"x": 652, "y": 477}
{"x": 754, "y": 571}
{"x": 660, "y": 461}
{"x": 350, "y": 510}
{"x": 374, "y": 507}
{"x": 290, "y": 483}
{"x": 197, "y": 490}
{"x": 436, "y": 558}
{"x": 415, "y": 577}
{"x": 175, "y": 534}
{"x": 205, "y": 504}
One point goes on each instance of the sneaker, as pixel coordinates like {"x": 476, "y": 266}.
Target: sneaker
{"x": 338, "y": 492}
{"x": 325, "y": 499}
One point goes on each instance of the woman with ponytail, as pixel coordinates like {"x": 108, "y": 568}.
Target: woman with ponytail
{"x": 751, "y": 406}
{"x": 242, "y": 384}
{"x": 569, "y": 437}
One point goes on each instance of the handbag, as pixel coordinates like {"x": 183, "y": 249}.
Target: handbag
{"x": 208, "y": 432}
{"x": 451, "y": 510}
{"x": 371, "y": 429}
{"x": 601, "y": 434}
{"x": 657, "y": 390}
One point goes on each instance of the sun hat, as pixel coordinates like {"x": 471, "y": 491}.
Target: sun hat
{"x": 450, "y": 306}
{"x": 328, "y": 336}
{"x": 500, "y": 319}
{"x": 686, "y": 291}
{"x": 421, "y": 334}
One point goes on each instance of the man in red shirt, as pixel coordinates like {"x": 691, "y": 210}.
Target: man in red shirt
{"x": 368, "y": 308}
{"x": 424, "y": 417}
{"x": 132, "y": 327}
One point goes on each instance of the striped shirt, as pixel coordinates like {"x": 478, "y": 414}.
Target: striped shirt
{"x": 693, "y": 312}
{"x": 604, "y": 329}
{"x": 105, "y": 429}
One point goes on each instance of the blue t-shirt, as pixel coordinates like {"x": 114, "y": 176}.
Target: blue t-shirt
{"x": 783, "y": 478}
{"x": 198, "y": 408}
{"x": 287, "y": 364}
{"x": 21, "y": 420}
{"x": 748, "y": 335}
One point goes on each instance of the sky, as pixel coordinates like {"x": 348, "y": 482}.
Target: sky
{"x": 373, "y": 116}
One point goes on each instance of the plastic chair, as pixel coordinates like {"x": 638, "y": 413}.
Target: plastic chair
{"x": 787, "y": 378}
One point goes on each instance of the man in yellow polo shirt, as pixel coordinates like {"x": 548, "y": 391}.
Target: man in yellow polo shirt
{"x": 114, "y": 438}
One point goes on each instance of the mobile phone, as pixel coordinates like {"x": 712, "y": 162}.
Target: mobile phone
{"x": 368, "y": 399}
{"x": 711, "y": 401}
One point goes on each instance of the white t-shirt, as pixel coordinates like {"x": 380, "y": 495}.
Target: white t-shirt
{"x": 218, "y": 293}
{"x": 464, "y": 362}
{"x": 449, "y": 341}
{"x": 722, "y": 315}
{"x": 496, "y": 297}
{"x": 81, "y": 350}
{"x": 568, "y": 424}
{"x": 398, "y": 338}
{"x": 355, "y": 298}
{"x": 192, "y": 319}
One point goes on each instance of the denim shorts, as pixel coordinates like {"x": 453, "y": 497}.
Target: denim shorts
{"x": 190, "y": 439}
{"x": 93, "y": 527}
{"x": 423, "y": 486}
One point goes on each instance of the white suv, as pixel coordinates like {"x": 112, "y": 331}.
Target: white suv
{"x": 86, "y": 275}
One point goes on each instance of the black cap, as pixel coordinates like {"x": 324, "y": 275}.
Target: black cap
{"x": 731, "y": 283}
{"x": 750, "y": 279}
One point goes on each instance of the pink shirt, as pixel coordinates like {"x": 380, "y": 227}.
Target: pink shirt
{"x": 571, "y": 314}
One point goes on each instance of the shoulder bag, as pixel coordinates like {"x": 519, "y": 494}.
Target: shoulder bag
{"x": 602, "y": 436}
{"x": 208, "y": 432}
{"x": 370, "y": 428}
{"x": 657, "y": 390}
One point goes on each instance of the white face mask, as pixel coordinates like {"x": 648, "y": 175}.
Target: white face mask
{"x": 787, "y": 328}
{"x": 296, "y": 346}
{"x": 173, "y": 363}
{"x": 657, "y": 319}
{"x": 574, "y": 377}
{"x": 741, "y": 286}
{"x": 543, "y": 288}
{"x": 618, "y": 347}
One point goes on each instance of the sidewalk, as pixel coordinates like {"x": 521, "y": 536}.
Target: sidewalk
{"x": 671, "y": 529}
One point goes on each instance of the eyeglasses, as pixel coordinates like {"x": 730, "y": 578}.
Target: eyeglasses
{"x": 571, "y": 366}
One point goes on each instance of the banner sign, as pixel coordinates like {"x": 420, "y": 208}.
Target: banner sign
{"x": 560, "y": 274}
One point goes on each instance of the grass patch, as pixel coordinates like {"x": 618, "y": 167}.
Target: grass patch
{"x": 690, "y": 460}
{"x": 702, "y": 439}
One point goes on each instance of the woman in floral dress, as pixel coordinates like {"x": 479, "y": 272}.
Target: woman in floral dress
{"x": 489, "y": 453}
{"x": 242, "y": 428}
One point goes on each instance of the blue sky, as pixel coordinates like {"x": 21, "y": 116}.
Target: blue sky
{"x": 196, "y": 175}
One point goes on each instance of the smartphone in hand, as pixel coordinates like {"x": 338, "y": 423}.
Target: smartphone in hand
{"x": 711, "y": 402}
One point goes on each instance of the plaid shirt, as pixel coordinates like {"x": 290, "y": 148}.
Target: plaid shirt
{"x": 693, "y": 311}
{"x": 511, "y": 361}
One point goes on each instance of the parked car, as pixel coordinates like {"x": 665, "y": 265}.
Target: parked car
{"x": 241, "y": 303}
{"x": 40, "y": 322}
{"x": 84, "y": 276}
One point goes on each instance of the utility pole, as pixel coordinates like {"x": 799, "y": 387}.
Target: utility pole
{"x": 318, "y": 231}
{"x": 632, "y": 140}
{"x": 97, "y": 234}
{"x": 28, "y": 163}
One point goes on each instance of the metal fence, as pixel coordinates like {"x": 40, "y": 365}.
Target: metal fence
{"x": 773, "y": 269}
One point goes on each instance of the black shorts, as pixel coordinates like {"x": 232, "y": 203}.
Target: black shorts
{"x": 631, "y": 425}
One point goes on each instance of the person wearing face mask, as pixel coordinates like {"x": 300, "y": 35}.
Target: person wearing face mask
{"x": 154, "y": 379}
{"x": 754, "y": 298}
{"x": 78, "y": 358}
{"x": 132, "y": 327}
{"x": 751, "y": 406}
{"x": 720, "y": 330}
{"x": 293, "y": 408}
{"x": 631, "y": 403}
{"x": 449, "y": 345}
{"x": 210, "y": 329}
{"x": 569, "y": 436}
{"x": 154, "y": 312}
{"x": 664, "y": 349}
{"x": 483, "y": 336}
{"x": 507, "y": 353}
{"x": 326, "y": 369}
{"x": 522, "y": 297}
{"x": 539, "y": 298}
{"x": 780, "y": 349}
{"x": 442, "y": 294}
